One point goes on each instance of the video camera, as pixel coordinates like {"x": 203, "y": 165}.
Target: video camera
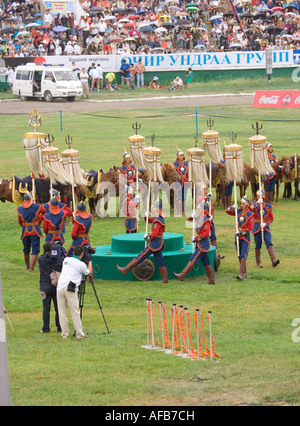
{"x": 57, "y": 250}
{"x": 87, "y": 252}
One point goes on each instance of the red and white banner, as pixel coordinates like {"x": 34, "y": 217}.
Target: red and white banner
{"x": 277, "y": 99}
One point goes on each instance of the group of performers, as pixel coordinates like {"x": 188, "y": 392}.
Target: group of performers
{"x": 249, "y": 215}
{"x": 53, "y": 215}
{"x": 250, "y": 220}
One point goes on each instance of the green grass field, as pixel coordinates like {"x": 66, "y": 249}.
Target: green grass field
{"x": 252, "y": 320}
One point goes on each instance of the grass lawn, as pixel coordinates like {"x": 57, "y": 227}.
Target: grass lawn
{"x": 252, "y": 320}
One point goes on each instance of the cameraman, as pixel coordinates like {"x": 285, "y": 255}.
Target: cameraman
{"x": 47, "y": 264}
{"x": 67, "y": 289}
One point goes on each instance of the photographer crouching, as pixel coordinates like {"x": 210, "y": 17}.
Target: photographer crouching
{"x": 50, "y": 263}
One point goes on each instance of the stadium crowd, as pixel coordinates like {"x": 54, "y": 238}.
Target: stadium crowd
{"x": 160, "y": 26}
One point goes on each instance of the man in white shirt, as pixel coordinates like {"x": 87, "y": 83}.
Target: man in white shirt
{"x": 102, "y": 27}
{"x": 69, "y": 49}
{"x": 47, "y": 18}
{"x": 10, "y": 77}
{"x": 67, "y": 290}
{"x": 95, "y": 79}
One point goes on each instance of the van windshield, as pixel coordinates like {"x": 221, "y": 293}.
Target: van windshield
{"x": 65, "y": 75}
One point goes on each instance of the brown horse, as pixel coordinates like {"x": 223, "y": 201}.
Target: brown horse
{"x": 6, "y": 190}
{"x": 111, "y": 177}
{"x": 283, "y": 169}
{"x": 42, "y": 190}
{"x": 294, "y": 177}
{"x": 250, "y": 177}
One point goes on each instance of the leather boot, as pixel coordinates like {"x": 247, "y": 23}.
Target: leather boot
{"x": 210, "y": 274}
{"x": 128, "y": 267}
{"x": 275, "y": 261}
{"x": 33, "y": 262}
{"x": 184, "y": 272}
{"x": 164, "y": 274}
{"x": 257, "y": 257}
{"x": 27, "y": 260}
{"x": 243, "y": 272}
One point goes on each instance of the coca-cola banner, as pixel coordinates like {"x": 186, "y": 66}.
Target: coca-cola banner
{"x": 277, "y": 99}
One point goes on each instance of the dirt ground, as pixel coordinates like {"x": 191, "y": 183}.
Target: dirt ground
{"x": 18, "y": 107}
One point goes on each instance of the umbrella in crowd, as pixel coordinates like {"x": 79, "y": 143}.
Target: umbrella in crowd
{"x": 215, "y": 17}
{"x": 273, "y": 28}
{"x": 147, "y": 29}
{"x": 130, "y": 24}
{"x": 59, "y": 29}
{"x": 192, "y": 4}
{"x": 192, "y": 8}
{"x": 183, "y": 22}
{"x": 109, "y": 17}
{"x": 23, "y": 34}
{"x": 32, "y": 24}
{"x": 8, "y": 30}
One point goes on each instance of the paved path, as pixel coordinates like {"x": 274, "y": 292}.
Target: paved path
{"x": 18, "y": 107}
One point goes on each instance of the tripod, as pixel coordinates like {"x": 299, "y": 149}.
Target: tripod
{"x": 81, "y": 294}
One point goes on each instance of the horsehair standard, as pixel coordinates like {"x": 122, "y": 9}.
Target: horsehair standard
{"x": 197, "y": 169}
{"x": 137, "y": 145}
{"x": 211, "y": 145}
{"x": 234, "y": 162}
{"x": 33, "y": 142}
{"x": 70, "y": 160}
{"x": 259, "y": 156}
{"x": 53, "y": 165}
{"x": 152, "y": 163}
{"x": 181, "y": 343}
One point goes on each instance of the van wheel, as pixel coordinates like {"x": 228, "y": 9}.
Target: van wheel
{"x": 48, "y": 96}
{"x": 23, "y": 98}
{"x": 71, "y": 98}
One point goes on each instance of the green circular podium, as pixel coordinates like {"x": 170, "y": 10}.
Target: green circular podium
{"x": 125, "y": 247}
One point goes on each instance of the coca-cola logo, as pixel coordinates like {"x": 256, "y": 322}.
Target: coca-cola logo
{"x": 286, "y": 100}
{"x": 297, "y": 101}
{"x": 269, "y": 99}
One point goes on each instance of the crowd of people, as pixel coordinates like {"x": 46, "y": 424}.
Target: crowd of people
{"x": 160, "y": 26}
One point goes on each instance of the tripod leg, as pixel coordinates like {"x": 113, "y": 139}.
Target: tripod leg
{"x": 4, "y": 310}
{"x": 100, "y": 307}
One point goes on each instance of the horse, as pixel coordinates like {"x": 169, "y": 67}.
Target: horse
{"x": 250, "y": 177}
{"x": 283, "y": 170}
{"x": 42, "y": 190}
{"x": 6, "y": 190}
{"x": 110, "y": 177}
{"x": 294, "y": 177}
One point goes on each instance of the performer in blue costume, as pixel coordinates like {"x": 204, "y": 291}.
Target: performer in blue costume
{"x": 129, "y": 208}
{"x": 267, "y": 219}
{"x": 245, "y": 226}
{"x": 28, "y": 218}
{"x": 182, "y": 168}
{"x": 81, "y": 228}
{"x": 54, "y": 222}
{"x": 154, "y": 246}
{"x": 128, "y": 170}
{"x": 271, "y": 179}
{"x": 202, "y": 241}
